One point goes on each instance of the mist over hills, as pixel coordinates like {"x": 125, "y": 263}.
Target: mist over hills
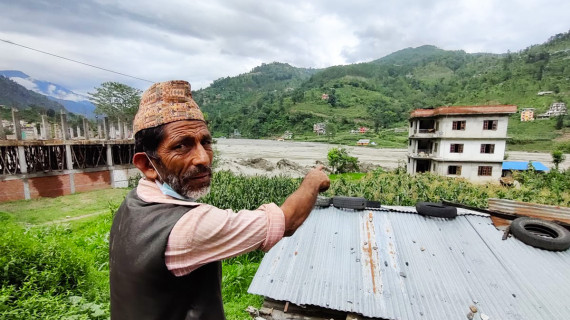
{"x": 62, "y": 97}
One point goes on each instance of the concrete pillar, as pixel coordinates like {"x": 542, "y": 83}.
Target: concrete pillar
{"x": 120, "y": 128}
{"x": 17, "y": 127}
{"x": 2, "y": 133}
{"x": 86, "y": 129}
{"x": 125, "y": 130}
{"x": 78, "y": 132}
{"x": 106, "y": 128}
{"x": 45, "y": 128}
{"x": 99, "y": 131}
{"x": 109, "y": 155}
{"x": 22, "y": 159}
{"x": 68, "y": 157}
{"x": 70, "y": 132}
{"x": 64, "y": 128}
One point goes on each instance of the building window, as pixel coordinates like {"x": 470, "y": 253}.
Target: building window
{"x": 435, "y": 147}
{"x": 456, "y": 148}
{"x": 485, "y": 171}
{"x": 410, "y": 142}
{"x": 490, "y": 124}
{"x": 454, "y": 170}
{"x": 459, "y": 125}
{"x": 411, "y": 124}
{"x": 487, "y": 148}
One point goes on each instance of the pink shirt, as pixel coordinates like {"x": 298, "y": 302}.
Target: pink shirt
{"x": 206, "y": 233}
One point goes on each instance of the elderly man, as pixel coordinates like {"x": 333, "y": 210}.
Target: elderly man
{"x": 165, "y": 248}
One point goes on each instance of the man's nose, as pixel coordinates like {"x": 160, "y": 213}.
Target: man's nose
{"x": 201, "y": 156}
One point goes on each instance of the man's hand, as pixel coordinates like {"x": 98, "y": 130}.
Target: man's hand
{"x": 299, "y": 204}
{"x": 318, "y": 178}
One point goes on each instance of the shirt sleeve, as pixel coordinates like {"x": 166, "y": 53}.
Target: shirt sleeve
{"x": 206, "y": 234}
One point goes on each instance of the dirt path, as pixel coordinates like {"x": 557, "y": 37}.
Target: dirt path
{"x": 236, "y": 154}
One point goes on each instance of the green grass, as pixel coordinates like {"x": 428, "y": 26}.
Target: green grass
{"x": 42, "y": 210}
{"x": 384, "y": 139}
{"x": 351, "y": 176}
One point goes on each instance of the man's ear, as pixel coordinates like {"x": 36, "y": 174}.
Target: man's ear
{"x": 141, "y": 161}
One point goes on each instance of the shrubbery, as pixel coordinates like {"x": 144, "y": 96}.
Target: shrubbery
{"x": 341, "y": 161}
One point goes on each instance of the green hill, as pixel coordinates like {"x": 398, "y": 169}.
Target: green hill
{"x": 380, "y": 94}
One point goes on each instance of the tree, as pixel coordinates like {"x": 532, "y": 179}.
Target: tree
{"x": 115, "y": 99}
{"x": 341, "y": 162}
{"x": 559, "y": 122}
{"x": 557, "y": 157}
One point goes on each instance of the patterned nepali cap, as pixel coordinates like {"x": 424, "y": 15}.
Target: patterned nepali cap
{"x": 166, "y": 102}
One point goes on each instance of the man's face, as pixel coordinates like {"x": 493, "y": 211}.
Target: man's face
{"x": 186, "y": 157}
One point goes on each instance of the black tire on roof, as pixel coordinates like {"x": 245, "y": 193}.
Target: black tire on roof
{"x": 356, "y": 203}
{"x": 541, "y": 233}
{"x": 436, "y": 210}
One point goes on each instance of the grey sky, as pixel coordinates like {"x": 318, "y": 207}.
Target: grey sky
{"x": 201, "y": 41}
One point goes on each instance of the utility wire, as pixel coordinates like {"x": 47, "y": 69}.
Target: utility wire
{"x": 83, "y": 63}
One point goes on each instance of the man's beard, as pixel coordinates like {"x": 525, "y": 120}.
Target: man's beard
{"x": 182, "y": 186}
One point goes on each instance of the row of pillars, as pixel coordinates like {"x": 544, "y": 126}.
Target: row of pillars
{"x": 105, "y": 129}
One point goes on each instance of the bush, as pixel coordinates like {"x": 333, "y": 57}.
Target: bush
{"x": 341, "y": 162}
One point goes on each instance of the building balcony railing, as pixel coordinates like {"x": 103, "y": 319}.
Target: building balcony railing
{"x": 421, "y": 153}
{"x": 426, "y": 133}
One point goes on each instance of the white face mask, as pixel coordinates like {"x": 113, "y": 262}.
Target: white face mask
{"x": 165, "y": 188}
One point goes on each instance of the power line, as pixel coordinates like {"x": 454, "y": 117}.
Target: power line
{"x": 68, "y": 59}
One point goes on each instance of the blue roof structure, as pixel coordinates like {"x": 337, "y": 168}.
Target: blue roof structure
{"x": 392, "y": 263}
{"x": 523, "y": 165}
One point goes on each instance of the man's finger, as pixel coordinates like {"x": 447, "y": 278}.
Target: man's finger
{"x": 319, "y": 167}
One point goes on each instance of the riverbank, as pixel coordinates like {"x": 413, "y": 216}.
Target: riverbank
{"x": 292, "y": 158}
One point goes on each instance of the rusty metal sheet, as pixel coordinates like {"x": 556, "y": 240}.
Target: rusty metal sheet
{"x": 542, "y": 211}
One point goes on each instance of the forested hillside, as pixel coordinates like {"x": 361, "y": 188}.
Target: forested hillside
{"x": 15, "y": 95}
{"x": 379, "y": 94}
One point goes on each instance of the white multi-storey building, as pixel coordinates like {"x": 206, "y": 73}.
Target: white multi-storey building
{"x": 459, "y": 141}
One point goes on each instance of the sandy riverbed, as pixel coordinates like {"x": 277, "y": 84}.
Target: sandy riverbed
{"x": 270, "y": 157}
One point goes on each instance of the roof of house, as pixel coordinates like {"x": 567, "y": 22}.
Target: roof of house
{"x": 392, "y": 263}
{"x": 523, "y": 165}
{"x": 463, "y": 110}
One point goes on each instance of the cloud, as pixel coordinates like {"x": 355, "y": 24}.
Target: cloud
{"x": 202, "y": 41}
{"x": 28, "y": 84}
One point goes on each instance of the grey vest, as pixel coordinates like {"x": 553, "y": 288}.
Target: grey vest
{"x": 141, "y": 285}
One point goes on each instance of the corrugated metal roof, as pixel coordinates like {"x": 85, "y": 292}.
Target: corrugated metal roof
{"x": 458, "y": 110}
{"x": 523, "y": 165}
{"x": 542, "y": 211}
{"x": 395, "y": 265}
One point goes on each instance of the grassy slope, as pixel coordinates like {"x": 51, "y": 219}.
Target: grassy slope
{"x": 43, "y": 210}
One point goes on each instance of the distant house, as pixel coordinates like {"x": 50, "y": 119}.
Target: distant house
{"x": 527, "y": 114}
{"x": 324, "y": 96}
{"x": 543, "y": 93}
{"x": 319, "y": 128}
{"x": 556, "y": 109}
{"x": 363, "y": 142}
{"x": 363, "y": 130}
{"x": 459, "y": 141}
{"x": 287, "y": 135}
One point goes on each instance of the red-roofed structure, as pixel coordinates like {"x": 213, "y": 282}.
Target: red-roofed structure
{"x": 463, "y": 110}
{"x": 459, "y": 141}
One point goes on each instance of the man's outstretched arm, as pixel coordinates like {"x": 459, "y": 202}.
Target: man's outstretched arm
{"x": 299, "y": 204}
